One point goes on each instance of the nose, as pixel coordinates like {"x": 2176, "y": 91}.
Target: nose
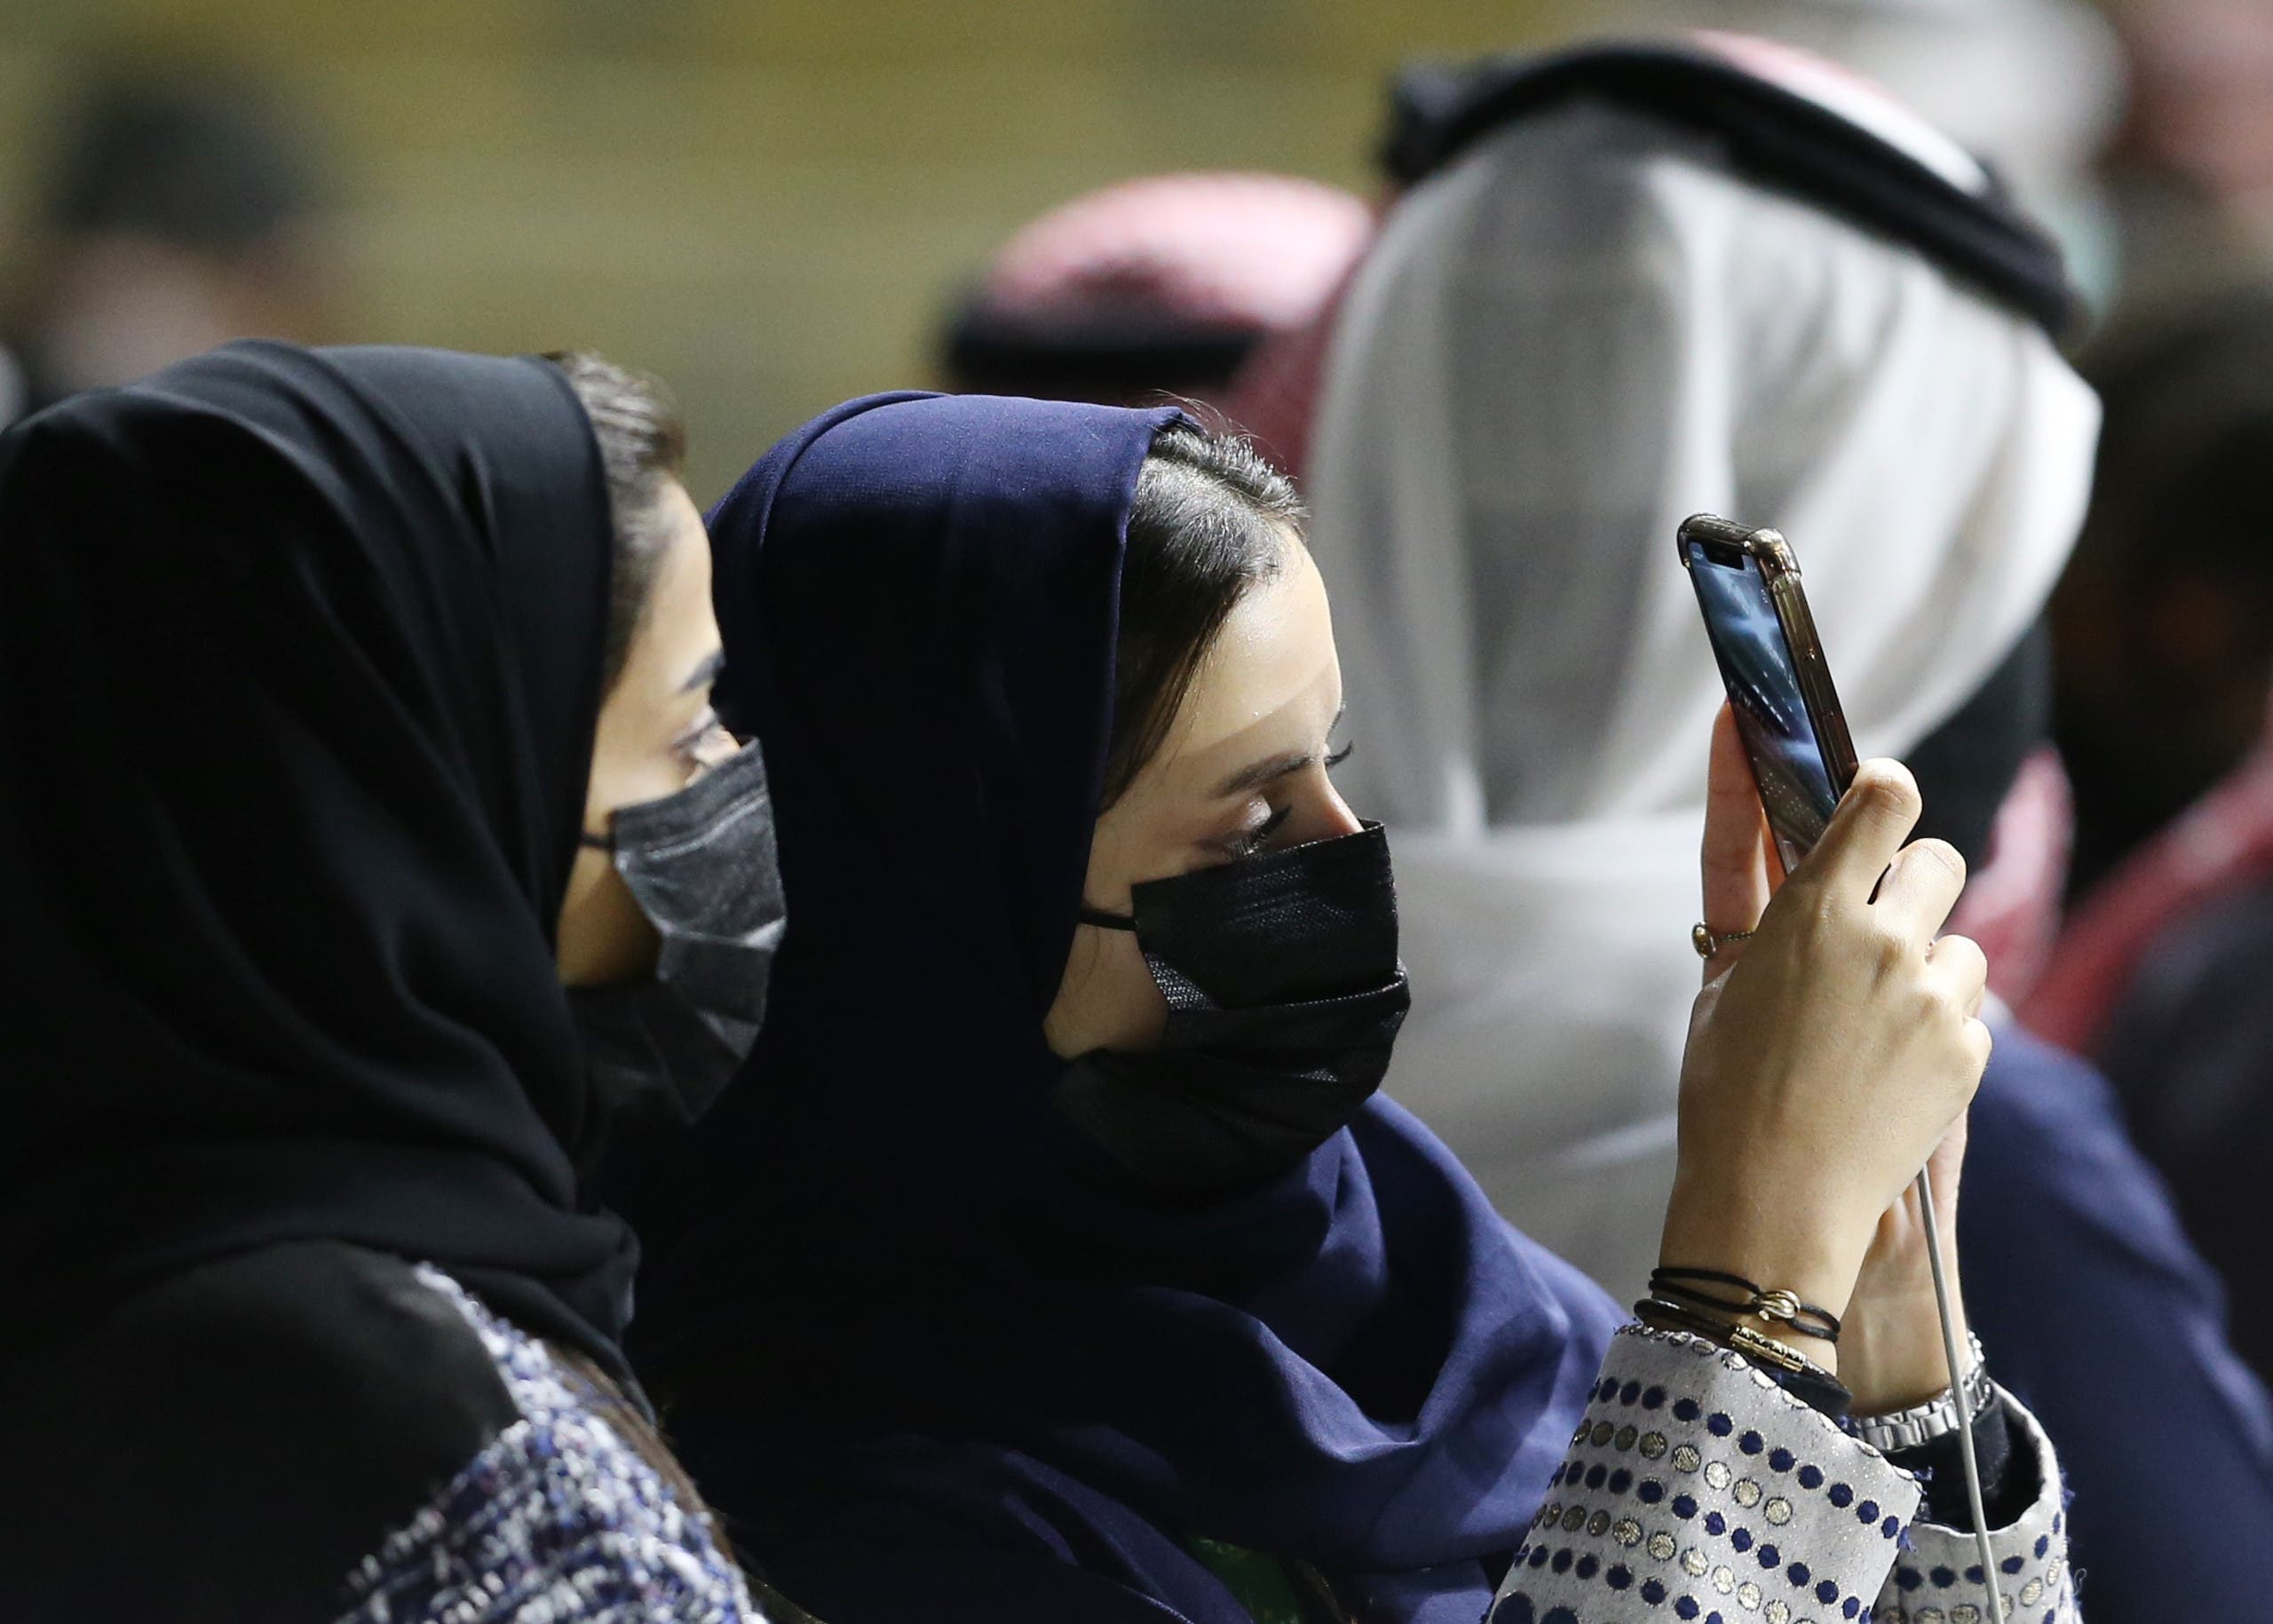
{"x": 1334, "y": 816}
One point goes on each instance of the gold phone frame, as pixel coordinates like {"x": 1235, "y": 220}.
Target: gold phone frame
{"x": 1780, "y": 570}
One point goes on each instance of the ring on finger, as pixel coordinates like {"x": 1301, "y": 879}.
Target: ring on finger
{"x": 1709, "y": 941}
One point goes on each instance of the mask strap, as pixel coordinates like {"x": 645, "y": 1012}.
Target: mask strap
{"x": 1103, "y": 921}
{"x": 599, "y": 843}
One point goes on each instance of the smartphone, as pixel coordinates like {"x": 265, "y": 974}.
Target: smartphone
{"x": 1772, "y": 662}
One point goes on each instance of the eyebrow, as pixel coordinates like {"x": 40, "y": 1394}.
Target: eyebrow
{"x": 706, "y": 672}
{"x": 1273, "y": 767}
{"x": 1263, "y": 772}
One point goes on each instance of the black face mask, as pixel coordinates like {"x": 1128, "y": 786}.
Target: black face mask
{"x": 701, "y": 865}
{"x": 1285, "y": 994}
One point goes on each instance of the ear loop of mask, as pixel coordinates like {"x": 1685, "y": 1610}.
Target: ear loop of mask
{"x": 1105, "y": 921}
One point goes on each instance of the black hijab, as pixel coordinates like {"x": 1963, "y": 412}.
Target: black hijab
{"x": 300, "y": 663}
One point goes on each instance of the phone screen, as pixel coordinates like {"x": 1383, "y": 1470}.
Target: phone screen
{"x": 1756, "y": 667}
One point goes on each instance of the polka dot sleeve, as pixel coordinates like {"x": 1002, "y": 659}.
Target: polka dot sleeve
{"x": 1696, "y": 1488}
{"x": 1937, "y": 1577}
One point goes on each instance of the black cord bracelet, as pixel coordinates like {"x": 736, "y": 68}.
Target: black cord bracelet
{"x": 1771, "y": 1310}
{"x": 1783, "y": 1306}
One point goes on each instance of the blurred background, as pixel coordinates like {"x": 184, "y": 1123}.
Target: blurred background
{"x": 766, "y": 202}
{"x": 772, "y": 202}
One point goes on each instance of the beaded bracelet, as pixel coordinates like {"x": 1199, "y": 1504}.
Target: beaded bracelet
{"x": 1791, "y": 1370}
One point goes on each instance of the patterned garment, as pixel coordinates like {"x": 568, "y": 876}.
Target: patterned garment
{"x": 1697, "y": 1489}
{"x": 558, "y": 1521}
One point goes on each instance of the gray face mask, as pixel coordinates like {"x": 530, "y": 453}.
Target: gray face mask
{"x": 701, "y": 865}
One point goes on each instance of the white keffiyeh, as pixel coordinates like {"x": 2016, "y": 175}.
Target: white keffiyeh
{"x": 1580, "y": 333}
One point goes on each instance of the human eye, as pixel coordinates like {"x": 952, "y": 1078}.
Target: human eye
{"x": 1247, "y": 842}
{"x": 704, "y": 743}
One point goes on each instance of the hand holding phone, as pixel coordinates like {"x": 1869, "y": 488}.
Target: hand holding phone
{"x": 1851, "y": 960}
{"x": 1831, "y": 1053}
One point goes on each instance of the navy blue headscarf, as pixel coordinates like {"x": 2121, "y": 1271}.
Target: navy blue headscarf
{"x": 925, "y": 1360}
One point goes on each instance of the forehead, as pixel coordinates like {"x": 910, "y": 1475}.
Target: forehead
{"x": 682, "y": 572}
{"x": 675, "y": 625}
{"x": 1272, "y": 667}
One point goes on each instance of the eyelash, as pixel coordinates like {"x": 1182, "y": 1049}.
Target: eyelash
{"x": 1247, "y": 843}
{"x": 688, "y": 742}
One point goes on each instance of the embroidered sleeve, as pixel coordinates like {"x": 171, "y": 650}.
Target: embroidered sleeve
{"x": 1697, "y": 1489}
{"x": 558, "y": 1521}
{"x": 1937, "y": 1577}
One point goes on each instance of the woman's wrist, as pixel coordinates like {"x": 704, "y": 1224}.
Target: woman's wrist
{"x": 1896, "y": 1358}
{"x": 1709, "y": 1225}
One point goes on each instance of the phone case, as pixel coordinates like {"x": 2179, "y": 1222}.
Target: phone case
{"x": 1781, "y": 572}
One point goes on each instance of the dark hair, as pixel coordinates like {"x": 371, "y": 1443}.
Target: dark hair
{"x": 1211, "y": 520}
{"x": 642, "y": 450}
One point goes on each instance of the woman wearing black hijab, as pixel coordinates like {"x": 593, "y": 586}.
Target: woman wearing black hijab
{"x": 360, "y": 810}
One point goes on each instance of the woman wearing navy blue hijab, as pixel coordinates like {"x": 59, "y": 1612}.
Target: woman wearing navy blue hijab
{"x": 1044, "y": 1268}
